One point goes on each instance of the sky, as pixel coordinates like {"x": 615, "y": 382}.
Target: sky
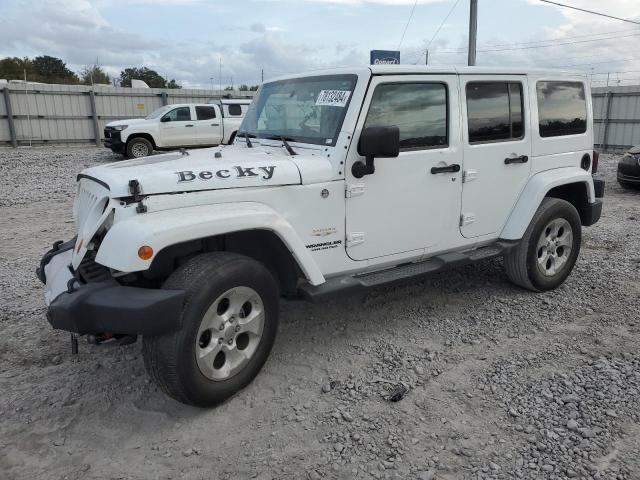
{"x": 205, "y": 43}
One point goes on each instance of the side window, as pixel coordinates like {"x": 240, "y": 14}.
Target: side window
{"x": 419, "y": 110}
{"x": 562, "y": 108}
{"x": 494, "y": 111}
{"x": 180, "y": 114}
{"x": 235, "y": 110}
{"x": 205, "y": 113}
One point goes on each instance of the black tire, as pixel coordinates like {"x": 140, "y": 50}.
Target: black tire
{"x": 232, "y": 138}
{"x": 170, "y": 359}
{"x": 521, "y": 262}
{"x": 627, "y": 185}
{"x": 136, "y": 145}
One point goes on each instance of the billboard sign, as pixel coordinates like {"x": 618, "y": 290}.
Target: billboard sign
{"x": 384, "y": 57}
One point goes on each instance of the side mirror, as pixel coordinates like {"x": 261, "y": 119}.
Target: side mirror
{"x": 165, "y": 119}
{"x": 381, "y": 142}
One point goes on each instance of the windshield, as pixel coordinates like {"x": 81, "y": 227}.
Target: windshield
{"x": 305, "y": 110}
{"x": 158, "y": 112}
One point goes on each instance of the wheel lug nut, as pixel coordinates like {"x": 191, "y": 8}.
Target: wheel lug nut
{"x": 220, "y": 340}
{"x": 221, "y": 327}
{"x": 232, "y": 319}
{"x": 230, "y": 342}
{"x": 237, "y": 328}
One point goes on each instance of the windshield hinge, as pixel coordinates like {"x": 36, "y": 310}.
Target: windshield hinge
{"x": 136, "y": 192}
{"x": 354, "y": 190}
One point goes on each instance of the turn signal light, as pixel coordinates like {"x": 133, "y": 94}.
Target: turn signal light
{"x": 145, "y": 252}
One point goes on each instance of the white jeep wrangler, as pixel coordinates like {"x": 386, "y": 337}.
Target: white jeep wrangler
{"x": 180, "y": 125}
{"x": 336, "y": 182}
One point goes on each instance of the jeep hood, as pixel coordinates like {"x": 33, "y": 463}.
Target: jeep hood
{"x": 210, "y": 169}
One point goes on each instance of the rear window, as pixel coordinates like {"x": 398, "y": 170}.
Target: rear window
{"x": 205, "y": 113}
{"x": 235, "y": 110}
{"x": 494, "y": 111}
{"x": 562, "y": 108}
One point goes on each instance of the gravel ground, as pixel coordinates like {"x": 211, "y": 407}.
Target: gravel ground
{"x": 502, "y": 383}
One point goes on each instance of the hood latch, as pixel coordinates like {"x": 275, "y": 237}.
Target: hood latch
{"x": 134, "y": 189}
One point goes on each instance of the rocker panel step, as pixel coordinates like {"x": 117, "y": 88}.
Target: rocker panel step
{"x": 353, "y": 283}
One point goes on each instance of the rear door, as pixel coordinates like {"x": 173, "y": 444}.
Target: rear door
{"x": 178, "y": 128}
{"x": 497, "y": 150}
{"x": 208, "y": 125}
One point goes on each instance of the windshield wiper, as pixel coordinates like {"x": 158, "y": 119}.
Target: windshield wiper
{"x": 246, "y": 136}
{"x": 285, "y": 142}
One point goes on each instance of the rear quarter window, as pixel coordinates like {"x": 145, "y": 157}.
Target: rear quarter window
{"x": 562, "y": 108}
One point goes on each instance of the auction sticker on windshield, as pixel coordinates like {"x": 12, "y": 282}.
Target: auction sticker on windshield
{"x": 333, "y": 98}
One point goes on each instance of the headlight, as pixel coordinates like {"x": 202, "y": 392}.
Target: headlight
{"x": 119, "y": 128}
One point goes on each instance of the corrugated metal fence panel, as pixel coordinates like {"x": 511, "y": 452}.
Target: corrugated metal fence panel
{"x": 62, "y": 113}
{"x": 622, "y": 119}
{"x": 5, "y": 136}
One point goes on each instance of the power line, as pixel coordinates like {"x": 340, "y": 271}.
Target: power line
{"x": 407, "y": 25}
{"x": 529, "y": 46}
{"x": 591, "y": 11}
{"x": 439, "y": 28}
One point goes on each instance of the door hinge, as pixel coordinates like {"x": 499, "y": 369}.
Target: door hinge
{"x": 354, "y": 190}
{"x": 355, "y": 238}
{"x": 469, "y": 176}
{"x": 467, "y": 219}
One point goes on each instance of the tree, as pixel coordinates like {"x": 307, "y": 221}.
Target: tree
{"x": 91, "y": 74}
{"x": 48, "y": 69}
{"x": 13, "y": 68}
{"x": 150, "y": 77}
{"x": 243, "y": 88}
{"x": 253, "y": 88}
{"x": 228, "y": 88}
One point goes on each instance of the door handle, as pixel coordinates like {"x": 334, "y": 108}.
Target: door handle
{"x": 520, "y": 159}
{"x": 454, "y": 167}
{"x": 215, "y": 124}
{"x": 190, "y": 125}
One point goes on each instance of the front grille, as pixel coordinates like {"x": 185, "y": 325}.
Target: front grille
{"x": 90, "y": 271}
{"x": 112, "y": 134}
{"x": 85, "y": 202}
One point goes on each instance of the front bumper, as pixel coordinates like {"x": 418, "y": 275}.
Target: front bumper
{"x": 105, "y": 306}
{"x": 113, "y": 140}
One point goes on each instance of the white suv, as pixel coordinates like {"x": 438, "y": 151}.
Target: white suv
{"x": 177, "y": 126}
{"x": 337, "y": 182}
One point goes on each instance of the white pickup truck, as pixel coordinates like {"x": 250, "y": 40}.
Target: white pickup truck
{"x": 177, "y": 126}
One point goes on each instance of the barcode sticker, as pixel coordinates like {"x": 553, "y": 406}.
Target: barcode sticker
{"x": 333, "y": 98}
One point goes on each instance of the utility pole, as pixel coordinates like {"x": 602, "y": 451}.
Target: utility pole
{"x": 608, "y": 73}
{"x": 262, "y": 76}
{"x": 426, "y": 59}
{"x": 473, "y": 31}
{"x": 220, "y": 74}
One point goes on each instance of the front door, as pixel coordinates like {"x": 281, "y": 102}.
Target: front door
{"x": 177, "y": 128}
{"x": 497, "y": 151}
{"x": 208, "y": 125}
{"x": 405, "y": 206}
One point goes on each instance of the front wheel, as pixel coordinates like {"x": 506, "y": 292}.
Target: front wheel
{"x": 549, "y": 248}
{"x": 139, "y": 147}
{"x": 229, "y": 323}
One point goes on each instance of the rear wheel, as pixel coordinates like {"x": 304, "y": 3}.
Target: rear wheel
{"x": 229, "y": 323}
{"x": 549, "y": 248}
{"x": 139, "y": 147}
